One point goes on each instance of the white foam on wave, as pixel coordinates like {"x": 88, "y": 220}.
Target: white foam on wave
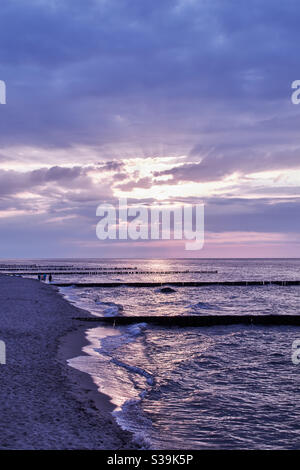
{"x": 130, "y": 418}
{"x": 136, "y": 329}
{"x": 125, "y": 383}
{"x": 202, "y": 306}
{"x": 136, "y": 370}
{"x": 129, "y": 414}
{"x": 110, "y": 309}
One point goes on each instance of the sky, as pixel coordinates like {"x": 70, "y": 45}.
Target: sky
{"x": 172, "y": 102}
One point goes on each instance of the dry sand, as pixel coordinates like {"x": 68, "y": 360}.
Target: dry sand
{"x": 45, "y": 404}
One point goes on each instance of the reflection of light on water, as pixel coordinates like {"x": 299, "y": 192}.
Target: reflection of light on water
{"x": 220, "y": 387}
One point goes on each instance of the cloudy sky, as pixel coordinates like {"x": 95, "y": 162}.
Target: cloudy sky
{"x": 170, "y": 101}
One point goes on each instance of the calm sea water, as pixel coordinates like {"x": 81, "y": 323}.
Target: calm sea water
{"x": 232, "y": 387}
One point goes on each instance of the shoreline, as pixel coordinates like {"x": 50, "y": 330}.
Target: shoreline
{"x": 70, "y": 347}
{"x": 45, "y": 403}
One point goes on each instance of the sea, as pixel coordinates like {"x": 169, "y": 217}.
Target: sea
{"x": 214, "y": 387}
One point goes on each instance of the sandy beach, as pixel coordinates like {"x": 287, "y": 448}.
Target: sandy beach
{"x": 45, "y": 404}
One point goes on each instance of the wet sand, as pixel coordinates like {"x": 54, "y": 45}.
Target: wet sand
{"x": 44, "y": 403}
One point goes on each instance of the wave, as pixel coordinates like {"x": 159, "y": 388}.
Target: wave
{"x": 130, "y": 415}
{"x": 202, "y": 306}
{"x": 136, "y": 370}
{"x": 112, "y": 309}
{"x": 131, "y": 418}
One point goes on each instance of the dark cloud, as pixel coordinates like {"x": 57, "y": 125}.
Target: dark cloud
{"x": 12, "y": 182}
{"x": 130, "y": 78}
{"x": 140, "y": 183}
{"x": 111, "y": 166}
{"x": 220, "y": 162}
{"x": 57, "y": 179}
{"x": 105, "y": 72}
{"x": 56, "y": 173}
